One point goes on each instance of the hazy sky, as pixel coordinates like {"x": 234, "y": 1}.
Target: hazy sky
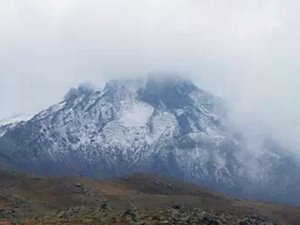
{"x": 246, "y": 51}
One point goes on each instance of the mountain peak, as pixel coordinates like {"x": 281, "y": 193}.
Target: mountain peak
{"x": 170, "y": 80}
{"x": 83, "y": 89}
{"x": 160, "y": 80}
{"x": 171, "y": 91}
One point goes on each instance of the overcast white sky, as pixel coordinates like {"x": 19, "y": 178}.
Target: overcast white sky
{"x": 246, "y": 51}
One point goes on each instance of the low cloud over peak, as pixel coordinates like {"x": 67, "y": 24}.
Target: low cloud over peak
{"x": 244, "y": 52}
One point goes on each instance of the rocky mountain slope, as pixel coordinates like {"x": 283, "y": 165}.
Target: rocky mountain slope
{"x": 158, "y": 125}
{"x": 134, "y": 200}
{"x": 10, "y": 123}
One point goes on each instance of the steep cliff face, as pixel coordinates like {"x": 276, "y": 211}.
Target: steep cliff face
{"x": 167, "y": 126}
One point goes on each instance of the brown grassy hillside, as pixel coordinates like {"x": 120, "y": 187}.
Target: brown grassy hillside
{"x": 137, "y": 199}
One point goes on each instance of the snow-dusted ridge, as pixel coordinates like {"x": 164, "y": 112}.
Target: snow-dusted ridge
{"x": 15, "y": 119}
{"x": 10, "y": 123}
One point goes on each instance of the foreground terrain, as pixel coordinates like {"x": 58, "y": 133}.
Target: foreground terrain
{"x": 137, "y": 199}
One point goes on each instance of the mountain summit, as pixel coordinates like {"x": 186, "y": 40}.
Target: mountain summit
{"x": 163, "y": 125}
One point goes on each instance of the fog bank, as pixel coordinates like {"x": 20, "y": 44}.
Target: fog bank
{"x": 244, "y": 51}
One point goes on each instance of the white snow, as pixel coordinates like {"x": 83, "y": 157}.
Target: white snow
{"x": 136, "y": 114}
{"x": 15, "y": 119}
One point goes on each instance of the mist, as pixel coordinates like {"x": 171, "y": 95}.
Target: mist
{"x": 243, "y": 51}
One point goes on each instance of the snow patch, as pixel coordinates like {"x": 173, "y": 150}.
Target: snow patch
{"x": 137, "y": 114}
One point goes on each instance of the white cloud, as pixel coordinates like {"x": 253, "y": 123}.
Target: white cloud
{"x": 245, "y": 51}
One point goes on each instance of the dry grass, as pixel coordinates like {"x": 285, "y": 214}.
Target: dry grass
{"x": 148, "y": 192}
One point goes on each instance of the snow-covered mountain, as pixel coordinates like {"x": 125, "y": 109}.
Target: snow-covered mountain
{"x": 158, "y": 125}
{"x": 9, "y": 123}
